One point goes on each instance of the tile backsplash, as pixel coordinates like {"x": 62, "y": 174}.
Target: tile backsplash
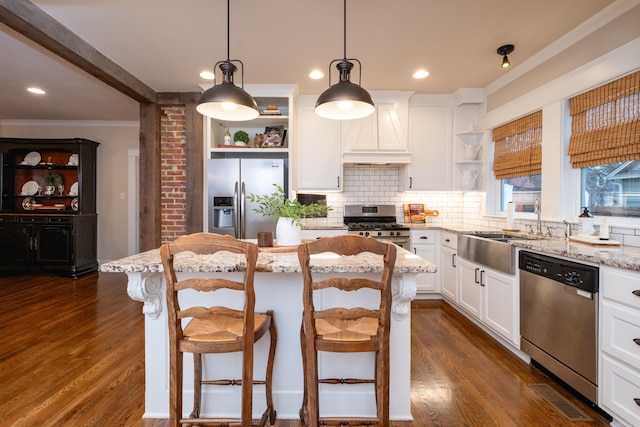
{"x": 365, "y": 184}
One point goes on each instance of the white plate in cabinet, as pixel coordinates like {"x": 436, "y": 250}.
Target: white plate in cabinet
{"x": 623, "y": 396}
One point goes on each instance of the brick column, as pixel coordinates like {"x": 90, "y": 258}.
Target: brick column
{"x": 173, "y": 173}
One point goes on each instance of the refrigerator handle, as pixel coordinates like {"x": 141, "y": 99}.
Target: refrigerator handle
{"x": 236, "y": 211}
{"x": 243, "y": 216}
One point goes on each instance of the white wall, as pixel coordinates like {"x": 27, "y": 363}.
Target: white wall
{"x": 115, "y": 139}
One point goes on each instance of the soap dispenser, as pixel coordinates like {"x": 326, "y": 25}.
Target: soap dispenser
{"x": 586, "y": 223}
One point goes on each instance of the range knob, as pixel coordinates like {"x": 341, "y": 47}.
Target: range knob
{"x": 366, "y": 234}
{"x": 379, "y": 233}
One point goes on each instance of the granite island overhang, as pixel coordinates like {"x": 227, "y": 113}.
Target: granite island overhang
{"x": 278, "y": 285}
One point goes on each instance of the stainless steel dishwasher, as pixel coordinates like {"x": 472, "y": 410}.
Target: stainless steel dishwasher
{"x": 559, "y": 319}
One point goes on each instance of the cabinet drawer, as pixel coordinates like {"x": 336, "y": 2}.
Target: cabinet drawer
{"x": 423, "y": 237}
{"x": 8, "y": 218}
{"x": 449, "y": 240}
{"x": 621, "y": 391}
{"x": 60, "y": 220}
{"x": 33, "y": 219}
{"x": 620, "y": 327}
{"x": 621, "y": 286}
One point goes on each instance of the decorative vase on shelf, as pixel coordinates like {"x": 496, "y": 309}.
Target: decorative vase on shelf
{"x": 287, "y": 232}
{"x": 469, "y": 177}
{"x": 471, "y": 151}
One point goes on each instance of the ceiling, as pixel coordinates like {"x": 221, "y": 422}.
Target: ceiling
{"x": 166, "y": 43}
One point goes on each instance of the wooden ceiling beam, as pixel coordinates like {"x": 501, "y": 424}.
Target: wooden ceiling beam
{"x": 33, "y": 23}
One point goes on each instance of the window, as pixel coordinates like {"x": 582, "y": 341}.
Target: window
{"x": 605, "y": 145}
{"x": 518, "y": 161}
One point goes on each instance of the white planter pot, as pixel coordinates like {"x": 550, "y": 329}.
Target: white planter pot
{"x": 287, "y": 233}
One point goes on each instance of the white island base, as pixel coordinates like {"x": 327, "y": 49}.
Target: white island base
{"x": 282, "y": 293}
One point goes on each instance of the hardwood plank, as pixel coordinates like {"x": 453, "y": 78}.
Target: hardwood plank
{"x": 72, "y": 354}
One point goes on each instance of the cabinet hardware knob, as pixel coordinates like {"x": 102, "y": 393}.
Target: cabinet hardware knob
{"x": 476, "y": 275}
{"x": 636, "y": 292}
{"x": 424, "y": 238}
{"x": 637, "y": 400}
{"x": 636, "y": 340}
{"x": 453, "y": 260}
{"x": 481, "y": 277}
{"x": 447, "y": 240}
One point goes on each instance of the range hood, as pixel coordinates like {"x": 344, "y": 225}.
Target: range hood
{"x": 376, "y": 158}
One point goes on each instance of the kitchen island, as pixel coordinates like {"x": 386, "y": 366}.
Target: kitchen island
{"x": 278, "y": 285}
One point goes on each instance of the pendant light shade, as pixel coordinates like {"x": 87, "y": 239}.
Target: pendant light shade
{"x": 344, "y": 100}
{"x": 226, "y": 101}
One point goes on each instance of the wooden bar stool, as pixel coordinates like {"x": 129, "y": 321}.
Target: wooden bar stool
{"x": 215, "y": 328}
{"x": 346, "y": 330}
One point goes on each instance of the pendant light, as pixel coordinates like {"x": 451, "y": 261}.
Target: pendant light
{"x": 345, "y": 100}
{"x": 226, "y": 101}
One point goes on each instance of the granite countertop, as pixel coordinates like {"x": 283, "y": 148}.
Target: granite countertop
{"x": 149, "y": 261}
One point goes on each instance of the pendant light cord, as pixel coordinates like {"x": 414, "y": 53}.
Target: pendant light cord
{"x": 345, "y": 29}
{"x": 229, "y": 31}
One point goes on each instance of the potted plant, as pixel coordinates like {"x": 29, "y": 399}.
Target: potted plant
{"x": 241, "y": 138}
{"x": 287, "y": 212}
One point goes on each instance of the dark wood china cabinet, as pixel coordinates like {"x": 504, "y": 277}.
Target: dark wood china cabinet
{"x": 48, "y": 219}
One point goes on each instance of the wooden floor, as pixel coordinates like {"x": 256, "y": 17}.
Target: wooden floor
{"x": 72, "y": 354}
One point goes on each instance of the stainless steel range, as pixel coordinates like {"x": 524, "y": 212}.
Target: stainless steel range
{"x": 377, "y": 221}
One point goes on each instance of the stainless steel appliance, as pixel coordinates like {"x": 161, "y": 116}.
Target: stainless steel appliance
{"x": 558, "y": 319}
{"x": 229, "y": 181}
{"x": 378, "y": 221}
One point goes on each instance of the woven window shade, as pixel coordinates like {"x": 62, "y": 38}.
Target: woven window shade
{"x": 518, "y": 148}
{"x": 605, "y": 126}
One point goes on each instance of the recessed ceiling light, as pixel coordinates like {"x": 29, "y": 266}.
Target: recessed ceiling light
{"x": 316, "y": 74}
{"x": 207, "y": 75}
{"x": 36, "y": 90}
{"x": 420, "y": 74}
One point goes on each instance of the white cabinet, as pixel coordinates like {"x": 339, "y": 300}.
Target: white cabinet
{"x": 448, "y": 266}
{"x": 491, "y": 297}
{"x": 424, "y": 244}
{"x": 430, "y": 144}
{"x": 318, "y": 150}
{"x": 470, "y": 289}
{"x": 620, "y": 344}
{"x": 385, "y": 131}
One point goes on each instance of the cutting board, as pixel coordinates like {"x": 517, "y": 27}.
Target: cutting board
{"x": 593, "y": 240}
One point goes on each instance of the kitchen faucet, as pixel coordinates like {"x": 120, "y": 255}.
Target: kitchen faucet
{"x": 537, "y": 210}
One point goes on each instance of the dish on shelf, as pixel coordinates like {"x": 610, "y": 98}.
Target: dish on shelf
{"x": 53, "y": 179}
{"x": 27, "y": 202}
{"x": 30, "y": 188}
{"x": 73, "y": 160}
{"x": 59, "y": 205}
{"x": 36, "y": 205}
{"x": 32, "y": 158}
{"x": 73, "y": 191}
{"x": 74, "y": 204}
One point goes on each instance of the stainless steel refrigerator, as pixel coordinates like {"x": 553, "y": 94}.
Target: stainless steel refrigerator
{"x": 230, "y": 180}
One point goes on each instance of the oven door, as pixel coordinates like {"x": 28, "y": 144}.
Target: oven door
{"x": 403, "y": 242}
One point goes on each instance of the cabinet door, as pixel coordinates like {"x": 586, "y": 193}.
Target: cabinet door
{"x": 319, "y": 152}
{"x": 469, "y": 276}
{"x": 501, "y": 298}
{"x": 448, "y": 273}
{"x": 426, "y": 282}
{"x": 15, "y": 249}
{"x": 430, "y": 143}
{"x": 54, "y": 244}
